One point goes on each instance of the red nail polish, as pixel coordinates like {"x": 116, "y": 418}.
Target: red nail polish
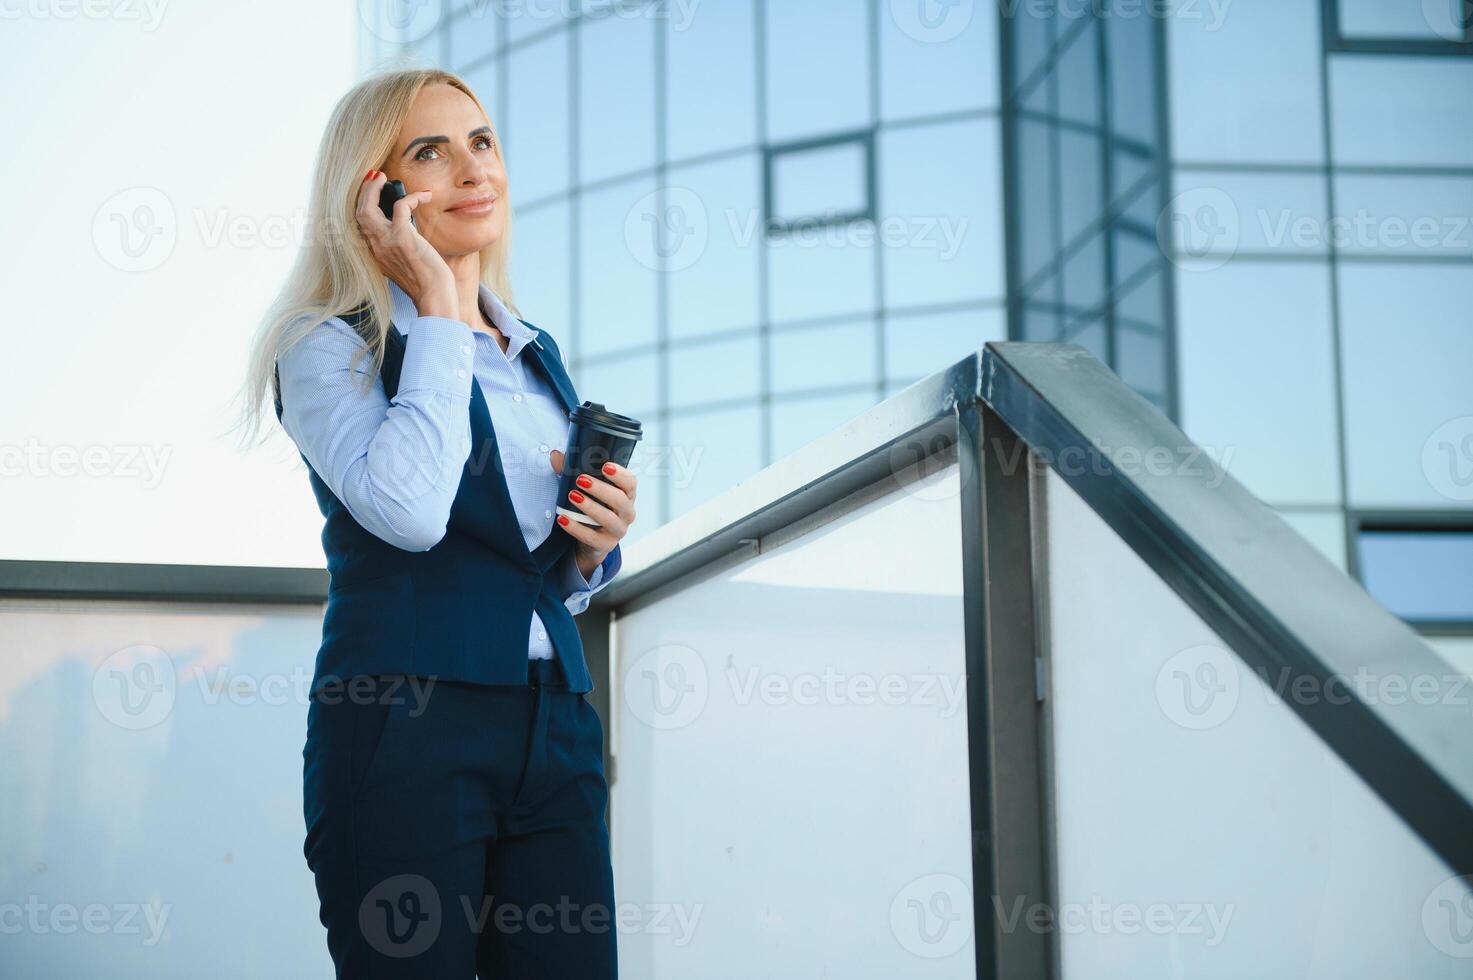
{"x": 575, "y": 496}
{"x": 585, "y": 482}
{"x": 368, "y": 176}
{"x": 609, "y": 468}
{"x": 562, "y": 519}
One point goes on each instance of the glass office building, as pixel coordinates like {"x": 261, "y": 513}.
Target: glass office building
{"x": 749, "y": 221}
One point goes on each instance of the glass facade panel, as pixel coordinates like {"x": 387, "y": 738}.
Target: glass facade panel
{"x": 823, "y": 356}
{"x": 1134, "y": 79}
{"x": 714, "y": 371}
{"x": 1245, "y": 85}
{"x": 1325, "y": 529}
{"x": 820, "y": 272}
{"x": 535, "y": 129}
{"x": 1421, "y": 575}
{"x": 658, "y": 467}
{"x": 798, "y": 421}
{"x": 1407, "y": 348}
{"x": 627, "y": 385}
{"x": 817, "y": 69}
{"x": 714, "y": 244}
{"x": 1084, "y": 276}
{"x": 528, "y": 17}
{"x": 1226, "y": 213}
{"x": 1258, "y": 388}
{"x": 616, "y": 92}
{"x": 1081, "y": 191}
{"x": 1037, "y": 199}
{"x": 1407, "y": 110}
{"x": 617, "y": 264}
{"x": 473, "y": 34}
{"x": 541, "y": 264}
{"x": 710, "y": 88}
{"x": 941, "y": 213}
{"x": 485, "y": 80}
{"x": 1031, "y": 36}
{"x": 1079, "y": 93}
{"x": 1405, "y": 215}
{"x": 712, "y": 452}
{"x": 936, "y": 59}
{"x": 921, "y": 344}
{"x": 1140, "y": 355}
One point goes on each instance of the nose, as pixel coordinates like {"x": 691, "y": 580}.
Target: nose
{"x": 475, "y": 172}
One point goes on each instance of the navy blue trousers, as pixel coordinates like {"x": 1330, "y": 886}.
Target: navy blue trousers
{"x": 457, "y": 830}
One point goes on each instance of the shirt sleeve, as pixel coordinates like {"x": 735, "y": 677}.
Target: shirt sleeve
{"x": 396, "y": 465}
{"x": 579, "y": 591}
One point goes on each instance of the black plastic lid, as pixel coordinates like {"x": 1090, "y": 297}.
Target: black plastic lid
{"x": 595, "y": 413}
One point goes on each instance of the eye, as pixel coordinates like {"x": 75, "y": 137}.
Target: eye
{"x": 423, "y": 150}
{"x": 486, "y": 140}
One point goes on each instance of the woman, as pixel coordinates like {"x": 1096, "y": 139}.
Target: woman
{"x": 453, "y": 770}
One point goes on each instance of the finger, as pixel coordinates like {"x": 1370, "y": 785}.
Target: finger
{"x": 612, "y": 521}
{"x": 622, "y": 478}
{"x": 369, "y": 213}
{"x": 595, "y": 538}
{"x": 557, "y": 461}
{"x": 616, "y": 499}
{"x": 406, "y": 205}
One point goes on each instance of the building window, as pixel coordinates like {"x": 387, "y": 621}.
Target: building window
{"x": 1424, "y": 574}
{"x": 815, "y": 183}
{"x": 1399, "y": 26}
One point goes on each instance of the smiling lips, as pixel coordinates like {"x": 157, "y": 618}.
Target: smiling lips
{"x": 475, "y": 207}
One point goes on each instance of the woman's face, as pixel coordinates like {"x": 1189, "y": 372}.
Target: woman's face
{"x": 446, "y": 147}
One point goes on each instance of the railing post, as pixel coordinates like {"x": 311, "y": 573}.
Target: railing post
{"x": 1011, "y": 909}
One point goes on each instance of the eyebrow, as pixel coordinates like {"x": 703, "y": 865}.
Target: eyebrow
{"x": 486, "y": 130}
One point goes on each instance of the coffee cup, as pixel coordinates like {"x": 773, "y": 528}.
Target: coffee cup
{"x": 597, "y": 436}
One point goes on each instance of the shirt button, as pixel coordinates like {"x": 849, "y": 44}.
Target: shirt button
{"x": 541, "y": 634}
{"x": 543, "y": 447}
{"x": 460, "y": 373}
{"x": 465, "y": 348}
{"x": 547, "y": 513}
{"x": 515, "y": 398}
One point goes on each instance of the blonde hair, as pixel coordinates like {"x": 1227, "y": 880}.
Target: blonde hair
{"x": 335, "y": 272}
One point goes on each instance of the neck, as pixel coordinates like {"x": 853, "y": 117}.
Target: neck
{"x": 467, "y": 271}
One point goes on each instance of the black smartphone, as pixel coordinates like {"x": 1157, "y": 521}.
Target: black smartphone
{"x": 392, "y": 192}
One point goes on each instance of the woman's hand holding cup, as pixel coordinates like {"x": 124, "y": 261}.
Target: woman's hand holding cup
{"x": 609, "y": 502}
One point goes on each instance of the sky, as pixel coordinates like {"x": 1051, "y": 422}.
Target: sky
{"x": 158, "y": 165}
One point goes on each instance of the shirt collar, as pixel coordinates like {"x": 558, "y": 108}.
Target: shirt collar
{"x": 518, "y": 334}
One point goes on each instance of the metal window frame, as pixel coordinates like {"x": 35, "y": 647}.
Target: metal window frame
{"x": 774, "y": 225}
{"x": 1337, "y": 42}
{"x": 1409, "y": 521}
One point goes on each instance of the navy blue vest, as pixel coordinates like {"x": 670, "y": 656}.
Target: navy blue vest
{"x": 462, "y": 610}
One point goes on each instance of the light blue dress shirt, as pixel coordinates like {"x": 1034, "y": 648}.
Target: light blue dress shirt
{"x": 397, "y": 465}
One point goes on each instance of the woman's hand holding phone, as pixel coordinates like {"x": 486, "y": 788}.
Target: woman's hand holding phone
{"x": 403, "y": 254}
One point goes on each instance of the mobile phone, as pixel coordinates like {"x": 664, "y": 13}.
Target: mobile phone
{"x": 392, "y": 192}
